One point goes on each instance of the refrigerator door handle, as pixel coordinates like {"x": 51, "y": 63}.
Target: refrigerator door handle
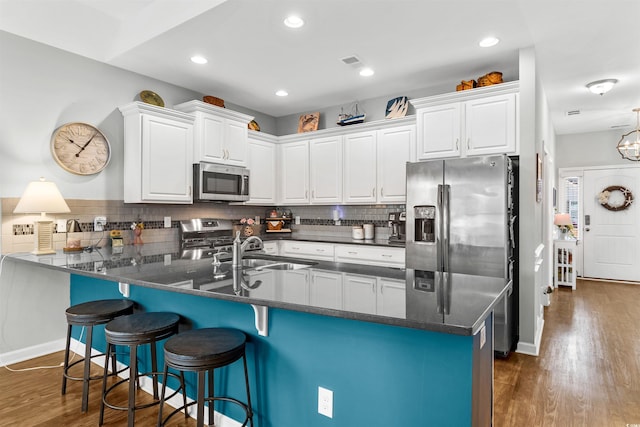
{"x": 445, "y": 226}
{"x": 440, "y": 232}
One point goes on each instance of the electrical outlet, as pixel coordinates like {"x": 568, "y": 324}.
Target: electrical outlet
{"x": 99, "y": 222}
{"x": 167, "y": 222}
{"x": 325, "y": 402}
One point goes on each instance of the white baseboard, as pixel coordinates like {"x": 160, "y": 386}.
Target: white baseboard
{"x": 27, "y": 353}
{"x": 532, "y": 349}
{"x": 146, "y": 384}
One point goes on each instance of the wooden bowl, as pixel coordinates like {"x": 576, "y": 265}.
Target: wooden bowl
{"x": 213, "y": 101}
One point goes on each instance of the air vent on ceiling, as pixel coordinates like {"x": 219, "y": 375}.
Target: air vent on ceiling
{"x": 573, "y": 113}
{"x": 351, "y": 60}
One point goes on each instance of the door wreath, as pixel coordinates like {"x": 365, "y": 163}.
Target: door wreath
{"x": 604, "y": 196}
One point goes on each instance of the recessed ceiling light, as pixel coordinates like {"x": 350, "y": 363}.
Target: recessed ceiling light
{"x": 199, "y": 59}
{"x": 282, "y": 93}
{"x": 600, "y": 87}
{"x": 489, "y": 41}
{"x": 366, "y": 72}
{"x": 293, "y": 21}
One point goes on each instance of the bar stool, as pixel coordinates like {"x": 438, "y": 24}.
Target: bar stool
{"x": 90, "y": 314}
{"x": 132, "y": 331}
{"x": 203, "y": 350}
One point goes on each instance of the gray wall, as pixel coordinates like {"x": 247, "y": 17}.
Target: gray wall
{"x": 589, "y": 149}
{"x": 42, "y": 88}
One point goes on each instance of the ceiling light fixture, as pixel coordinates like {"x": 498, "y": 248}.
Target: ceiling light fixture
{"x": 282, "y": 93}
{"x": 600, "y": 87}
{"x": 293, "y": 21}
{"x": 199, "y": 59}
{"x": 489, "y": 41}
{"x": 366, "y": 72}
{"x": 627, "y": 147}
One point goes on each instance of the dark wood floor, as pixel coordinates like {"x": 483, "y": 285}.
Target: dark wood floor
{"x": 587, "y": 374}
{"x": 588, "y": 371}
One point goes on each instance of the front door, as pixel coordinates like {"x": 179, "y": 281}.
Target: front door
{"x": 612, "y": 235}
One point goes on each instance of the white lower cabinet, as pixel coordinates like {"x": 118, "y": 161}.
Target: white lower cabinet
{"x": 325, "y": 289}
{"x": 266, "y": 289}
{"x": 293, "y": 286}
{"x": 370, "y": 255}
{"x": 386, "y": 297}
{"x": 310, "y": 250}
{"x": 270, "y": 248}
{"x": 359, "y": 294}
{"x": 391, "y": 298}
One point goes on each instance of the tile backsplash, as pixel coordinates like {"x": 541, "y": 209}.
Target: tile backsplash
{"x": 17, "y": 229}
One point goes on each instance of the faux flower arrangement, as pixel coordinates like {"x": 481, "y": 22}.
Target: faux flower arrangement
{"x": 138, "y": 225}
{"x": 247, "y": 221}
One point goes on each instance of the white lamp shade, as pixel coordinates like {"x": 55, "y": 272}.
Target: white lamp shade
{"x": 562, "y": 219}
{"x": 41, "y": 197}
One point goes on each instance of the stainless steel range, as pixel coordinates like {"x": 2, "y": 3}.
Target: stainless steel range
{"x": 206, "y": 237}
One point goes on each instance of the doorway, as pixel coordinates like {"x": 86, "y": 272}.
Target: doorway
{"x": 607, "y": 222}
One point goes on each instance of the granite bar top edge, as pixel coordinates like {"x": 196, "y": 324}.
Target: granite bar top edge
{"x": 390, "y": 272}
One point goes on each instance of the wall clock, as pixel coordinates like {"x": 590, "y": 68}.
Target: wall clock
{"x": 80, "y": 148}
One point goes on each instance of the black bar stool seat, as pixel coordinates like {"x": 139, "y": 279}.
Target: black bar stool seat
{"x": 88, "y": 315}
{"x": 132, "y": 331}
{"x": 203, "y": 350}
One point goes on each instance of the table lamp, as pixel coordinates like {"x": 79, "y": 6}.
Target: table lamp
{"x": 42, "y": 197}
{"x": 563, "y": 221}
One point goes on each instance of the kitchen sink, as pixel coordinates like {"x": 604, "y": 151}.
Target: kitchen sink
{"x": 274, "y": 264}
{"x": 256, "y": 262}
{"x": 284, "y": 266}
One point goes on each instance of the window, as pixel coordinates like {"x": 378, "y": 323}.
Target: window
{"x": 569, "y": 200}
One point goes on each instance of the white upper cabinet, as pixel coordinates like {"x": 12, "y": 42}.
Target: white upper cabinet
{"x": 375, "y": 164}
{"x": 360, "y": 167}
{"x": 220, "y": 134}
{"x": 157, "y": 154}
{"x": 396, "y": 147}
{"x": 479, "y": 121}
{"x": 262, "y": 168}
{"x": 491, "y": 125}
{"x": 294, "y": 172}
{"x": 326, "y": 169}
{"x": 439, "y": 130}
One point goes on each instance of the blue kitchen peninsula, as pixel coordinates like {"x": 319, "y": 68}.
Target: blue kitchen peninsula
{"x": 396, "y": 347}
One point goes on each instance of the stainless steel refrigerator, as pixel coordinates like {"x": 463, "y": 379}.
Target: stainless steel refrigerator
{"x": 461, "y": 218}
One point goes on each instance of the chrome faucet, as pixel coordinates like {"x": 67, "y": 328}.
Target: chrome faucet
{"x": 239, "y": 248}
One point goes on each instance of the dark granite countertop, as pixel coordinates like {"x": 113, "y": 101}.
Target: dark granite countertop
{"x": 456, "y": 304}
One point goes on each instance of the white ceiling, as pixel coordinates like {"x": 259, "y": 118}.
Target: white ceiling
{"x": 411, "y": 44}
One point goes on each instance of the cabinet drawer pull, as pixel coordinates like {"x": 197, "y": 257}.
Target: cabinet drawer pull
{"x": 382, "y": 192}
{"x": 457, "y": 144}
{"x": 319, "y": 250}
{"x": 387, "y": 256}
{"x": 373, "y": 192}
{"x": 353, "y": 253}
{"x": 295, "y": 248}
{"x": 468, "y": 142}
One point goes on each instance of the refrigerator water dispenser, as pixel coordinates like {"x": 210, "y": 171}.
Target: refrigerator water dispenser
{"x": 425, "y": 223}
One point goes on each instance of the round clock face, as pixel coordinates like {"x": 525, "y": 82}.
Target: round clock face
{"x": 80, "y": 148}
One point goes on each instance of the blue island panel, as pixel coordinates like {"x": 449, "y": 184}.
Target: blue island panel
{"x": 380, "y": 375}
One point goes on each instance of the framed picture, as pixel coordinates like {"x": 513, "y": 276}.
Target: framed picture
{"x": 308, "y": 122}
{"x": 397, "y": 107}
{"x": 538, "y": 178}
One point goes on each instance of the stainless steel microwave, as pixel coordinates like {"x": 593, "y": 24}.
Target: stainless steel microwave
{"x": 213, "y": 182}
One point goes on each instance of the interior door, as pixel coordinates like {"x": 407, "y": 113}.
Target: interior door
{"x": 611, "y": 238}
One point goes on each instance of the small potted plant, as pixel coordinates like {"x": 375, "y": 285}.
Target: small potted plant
{"x": 247, "y": 226}
{"x": 137, "y": 228}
